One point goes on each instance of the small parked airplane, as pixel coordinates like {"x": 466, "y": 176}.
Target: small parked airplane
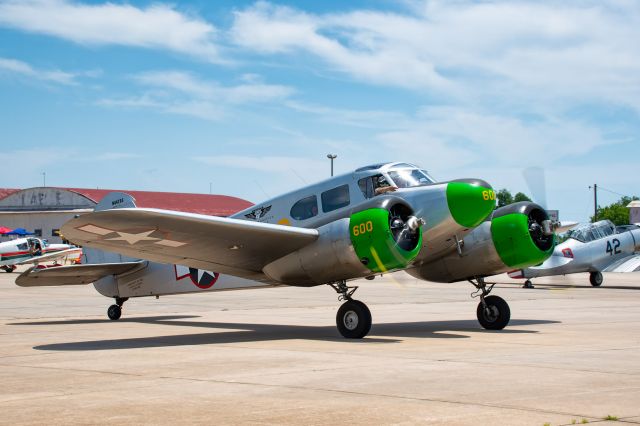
{"x": 377, "y": 219}
{"x": 33, "y": 250}
{"x": 591, "y": 247}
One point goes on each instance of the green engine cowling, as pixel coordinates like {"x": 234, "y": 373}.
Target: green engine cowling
{"x": 384, "y": 242}
{"x": 383, "y": 236}
{"x": 514, "y": 237}
{"x": 519, "y": 235}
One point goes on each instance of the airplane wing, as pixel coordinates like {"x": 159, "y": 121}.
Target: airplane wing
{"x": 73, "y": 274}
{"x": 230, "y": 246}
{"x": 51, "y": 256}
{"x": 627, "y": 264}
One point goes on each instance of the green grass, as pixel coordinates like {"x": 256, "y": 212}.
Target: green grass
{"x": 584, "y": 421}
{"x": 611, "y": 418}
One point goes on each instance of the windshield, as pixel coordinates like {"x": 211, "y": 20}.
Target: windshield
{"x": 408, "y": 178}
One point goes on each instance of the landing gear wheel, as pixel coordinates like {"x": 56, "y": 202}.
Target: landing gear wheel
{"x": 9, "y": 268}
{"x": 114, "y": 312}
{"x": 596, "y": 278}
{"x": 494, "y": 314}
{"x": 353, "y": 319}
{"x": 528, "y": 284}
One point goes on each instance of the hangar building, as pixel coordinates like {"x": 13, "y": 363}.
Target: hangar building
{"x": 43, "y": 210}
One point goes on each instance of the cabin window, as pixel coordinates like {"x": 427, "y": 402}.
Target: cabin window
{"x": 335, "y": 198}
{"x": 23, "y": 246}
{"x": 305, "y": 208}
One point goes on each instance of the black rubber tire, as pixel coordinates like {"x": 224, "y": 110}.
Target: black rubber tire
{"x": 353, "y": 319}
{"x": 9, "y": 269}
{"x": 596, "y": 278}
{"x": 498, "y": 315}
{"x": 114, "y": 312}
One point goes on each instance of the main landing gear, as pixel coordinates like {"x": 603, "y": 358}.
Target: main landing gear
{"x": 115, "y": 311}
{"x": 9, "y": 268}
{"x": 493, "y": 312}
{"x": 353, "y": 318}
{"x": 596, "y": 278}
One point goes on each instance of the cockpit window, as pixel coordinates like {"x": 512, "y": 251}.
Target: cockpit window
{"x": 408, "y": 178}
{"x": 592, "y": 231}
{"x": 305, "y": 208}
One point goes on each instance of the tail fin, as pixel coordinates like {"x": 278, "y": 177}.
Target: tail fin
{"x": 113, "y": 200}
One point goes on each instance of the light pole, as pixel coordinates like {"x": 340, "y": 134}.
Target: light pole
{"x": 44, "y": 178}
{"x": 595, "y": 201}
{"x": 332, "y": 157}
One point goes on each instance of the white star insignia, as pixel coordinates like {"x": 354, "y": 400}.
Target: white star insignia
{"x": 134, "y": 238}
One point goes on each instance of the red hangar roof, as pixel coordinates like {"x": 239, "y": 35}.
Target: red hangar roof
{"x": 213, "y": 205}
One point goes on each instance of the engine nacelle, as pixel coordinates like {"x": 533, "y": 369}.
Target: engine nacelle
{"x": 516, "y": 236}
{"x": 382, "y": 237}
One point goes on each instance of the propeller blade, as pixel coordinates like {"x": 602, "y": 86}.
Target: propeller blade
{"x": 535, "y": 179}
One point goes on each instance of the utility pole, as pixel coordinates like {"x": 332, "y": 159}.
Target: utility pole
{"x": 44, "y": 178}
{"x": 210, "y": 188}
{"x": 595, "y": 201}
{"x": 332, "y": 157}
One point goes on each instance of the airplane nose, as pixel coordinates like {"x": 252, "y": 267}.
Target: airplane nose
{"x": 470, "y": 201}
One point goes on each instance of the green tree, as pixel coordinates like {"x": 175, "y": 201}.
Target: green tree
{"x": 504, "y": 197}
{"x": 618, "y": 213}
{"x": 520, "y": 197}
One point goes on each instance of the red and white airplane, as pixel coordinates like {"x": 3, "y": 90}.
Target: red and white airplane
{"x": 33, "y": 250}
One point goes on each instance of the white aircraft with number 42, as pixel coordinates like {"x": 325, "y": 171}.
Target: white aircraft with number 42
{"x": 377, "y": 219}
{"x": 591, "y": 247}
{"x": 33, "y": 250}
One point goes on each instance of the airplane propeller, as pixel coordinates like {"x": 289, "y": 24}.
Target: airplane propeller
{"x": 535, "y": 179}
{"x": 404, "y": 226}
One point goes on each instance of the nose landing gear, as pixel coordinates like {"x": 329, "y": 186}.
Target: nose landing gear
{"x": 353, "y": 318}
{"x": 493, "y": 311}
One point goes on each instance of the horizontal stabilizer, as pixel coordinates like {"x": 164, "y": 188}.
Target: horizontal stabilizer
{"x": 74, "y": 274}
{"x": 627, "y": 264}
{"x": 72, "y": 252}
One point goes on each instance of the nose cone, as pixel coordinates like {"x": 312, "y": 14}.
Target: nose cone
{"x": 470, "y": 201}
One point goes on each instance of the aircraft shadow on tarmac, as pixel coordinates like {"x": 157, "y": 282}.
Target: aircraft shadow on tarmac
{"x": 243, "y": 332}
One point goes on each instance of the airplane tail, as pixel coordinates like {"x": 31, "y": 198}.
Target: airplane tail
{"x": 113, "y": 200}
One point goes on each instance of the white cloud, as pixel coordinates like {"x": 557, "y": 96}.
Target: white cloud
{"x": 157, "y": 26}
{"x": 518, "y": 52}
{"x": 183, "y": 93}
{"x": 15, "y": 66}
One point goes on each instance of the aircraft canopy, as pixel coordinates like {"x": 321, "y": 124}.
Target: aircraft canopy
{"x": 592, "y": 231}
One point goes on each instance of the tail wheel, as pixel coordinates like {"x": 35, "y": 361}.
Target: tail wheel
{"x": 114, "y": 312}
{"x": 494, "y": 313}
{"x": 353, "y": 319}
{"x": 596, "y": 278}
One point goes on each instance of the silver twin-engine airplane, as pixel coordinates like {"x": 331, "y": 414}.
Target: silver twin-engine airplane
{"x": 591, "y": 247}
{"x": 377, "y": 219}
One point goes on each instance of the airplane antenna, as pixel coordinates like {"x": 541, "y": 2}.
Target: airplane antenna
{"x": 260, "y": 186}
{"x": 299, "y": 177}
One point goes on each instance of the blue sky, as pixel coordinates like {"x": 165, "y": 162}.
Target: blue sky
{"x": 252, "y": 95}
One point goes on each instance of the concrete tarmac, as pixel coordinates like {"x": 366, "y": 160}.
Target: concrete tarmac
{"x": 274, "y": 356}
